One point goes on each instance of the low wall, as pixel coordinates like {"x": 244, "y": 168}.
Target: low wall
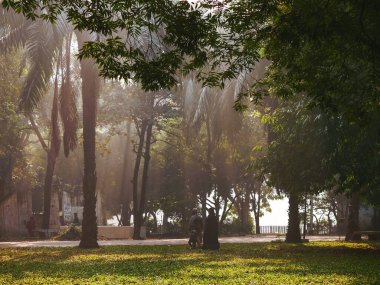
{"x": 112, "y": 232}
{"x": 14, "y": 210}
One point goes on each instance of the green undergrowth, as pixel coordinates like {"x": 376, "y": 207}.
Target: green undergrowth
{"x": 258, "y": 263}
{"x": 71, "y": 233}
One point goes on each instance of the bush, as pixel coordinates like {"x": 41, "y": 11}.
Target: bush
{"x": 72, "y": 233}
{"x": 235, "y": 226}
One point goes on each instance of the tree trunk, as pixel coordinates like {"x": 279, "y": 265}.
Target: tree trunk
{"x": 204, "y": 207}
{"x": 353, "y": 219}
{"x": 257, "y": 224}
{"x": 209, "y": 169}
{"x": 51, "y": 156}
{"x": 90, "y": 91}
{"x": 311, "y": 215}
{"x": 226, "y": 210}
{"x": 293, "y": 235}
{"x": 245, "y": 212}
{"x": 165, "y": 223}
{"x": 47, "y": 189}
{"x": 155, "y": 224}
{"x": 376, "y": 219}
{"x": 125, "y": 185}
{"x": 256, "y": 207}
{"x": 136, "y": 214}
{"x": 137, "y": 230}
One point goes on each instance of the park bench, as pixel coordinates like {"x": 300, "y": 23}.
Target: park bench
{"x": 372, "y": 235}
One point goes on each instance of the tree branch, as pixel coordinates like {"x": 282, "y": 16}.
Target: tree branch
{"x": 38, "y": 133}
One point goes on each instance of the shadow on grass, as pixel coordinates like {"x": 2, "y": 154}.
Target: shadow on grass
{"x": 161, "y": 261}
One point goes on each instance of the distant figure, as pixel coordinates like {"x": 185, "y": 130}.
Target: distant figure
{"x": 30, "y": 226}
{"x": 76, "y": 220}
{"x": 210, "y": 234}
{"x": 195, "y": 227}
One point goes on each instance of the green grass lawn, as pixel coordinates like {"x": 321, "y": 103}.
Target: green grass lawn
{"x": 259, "y": 263}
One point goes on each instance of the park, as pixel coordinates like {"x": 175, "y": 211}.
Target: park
{"x": 189, "y": 142}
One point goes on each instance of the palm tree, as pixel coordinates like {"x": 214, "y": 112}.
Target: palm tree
{"x": 211, "y": 107}
{"x": 90, "y": 93}
{"x": 42, "y": 43}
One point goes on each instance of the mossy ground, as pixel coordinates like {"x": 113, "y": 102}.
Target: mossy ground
{"x": 258, "y": 263}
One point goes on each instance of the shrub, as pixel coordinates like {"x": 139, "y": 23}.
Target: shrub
{"x": 71, "y": 233}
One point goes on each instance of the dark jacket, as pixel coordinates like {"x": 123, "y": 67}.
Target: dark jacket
{"x": 195, "y": 223}
{"x": 210, "y": 234}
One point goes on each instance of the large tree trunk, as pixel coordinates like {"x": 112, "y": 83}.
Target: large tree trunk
{"x": 90, "y": 91}
{"x": 294, "y": 234}
{"x": 136, "y": 215}
{"x": 353, "y": 218}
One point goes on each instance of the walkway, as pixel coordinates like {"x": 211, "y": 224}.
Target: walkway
{"x": 240, "y": 239}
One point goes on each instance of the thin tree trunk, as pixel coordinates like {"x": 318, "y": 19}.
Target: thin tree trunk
{"x": 155, "y": 224}
{"x": 47, "y": 190}
{"x": 257, "y": 213}
{"x": 353, "y": 218}
{"x": 226, "y": 210}
{"x": 311, "y": 214}
{"x": 209, "y": 169}
{"x": 137, "y": 230}
{"x": 257, "y": 224}
{"x": 245, "y": 212}
{"x": 304, "y": 218}
{"x": 90, "y": 91}
{"x": 203, "y": 197}
{"x": 258, "y": 210}
{"x": 136, "y": 219}
{"x": 125, "y": 185}
{"x": 51, "y": 155}
{"x": 293, "y": 235}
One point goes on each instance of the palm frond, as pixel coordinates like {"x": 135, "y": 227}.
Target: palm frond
{"x": 202, "y": 104}
{"x": 188, "y": 98}
{"x": 68, "y": 107}
{"x": 43, "y": 42}
{"x": 23, "y": 63}
{"x": 226, "y": 110}
{"x": 55, "y": 132}
{"x": 69, "y": 117}
{"x": 35, "y": 86}
{"x": 13, "y": 38}
{"x": 10, "y": 19}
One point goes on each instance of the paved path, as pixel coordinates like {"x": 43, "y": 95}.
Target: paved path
{"x": 240, "y": 239}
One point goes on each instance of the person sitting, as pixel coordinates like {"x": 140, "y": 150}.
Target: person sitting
{"x": 210, "y": 234}
{"x": 195, "y": 227}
